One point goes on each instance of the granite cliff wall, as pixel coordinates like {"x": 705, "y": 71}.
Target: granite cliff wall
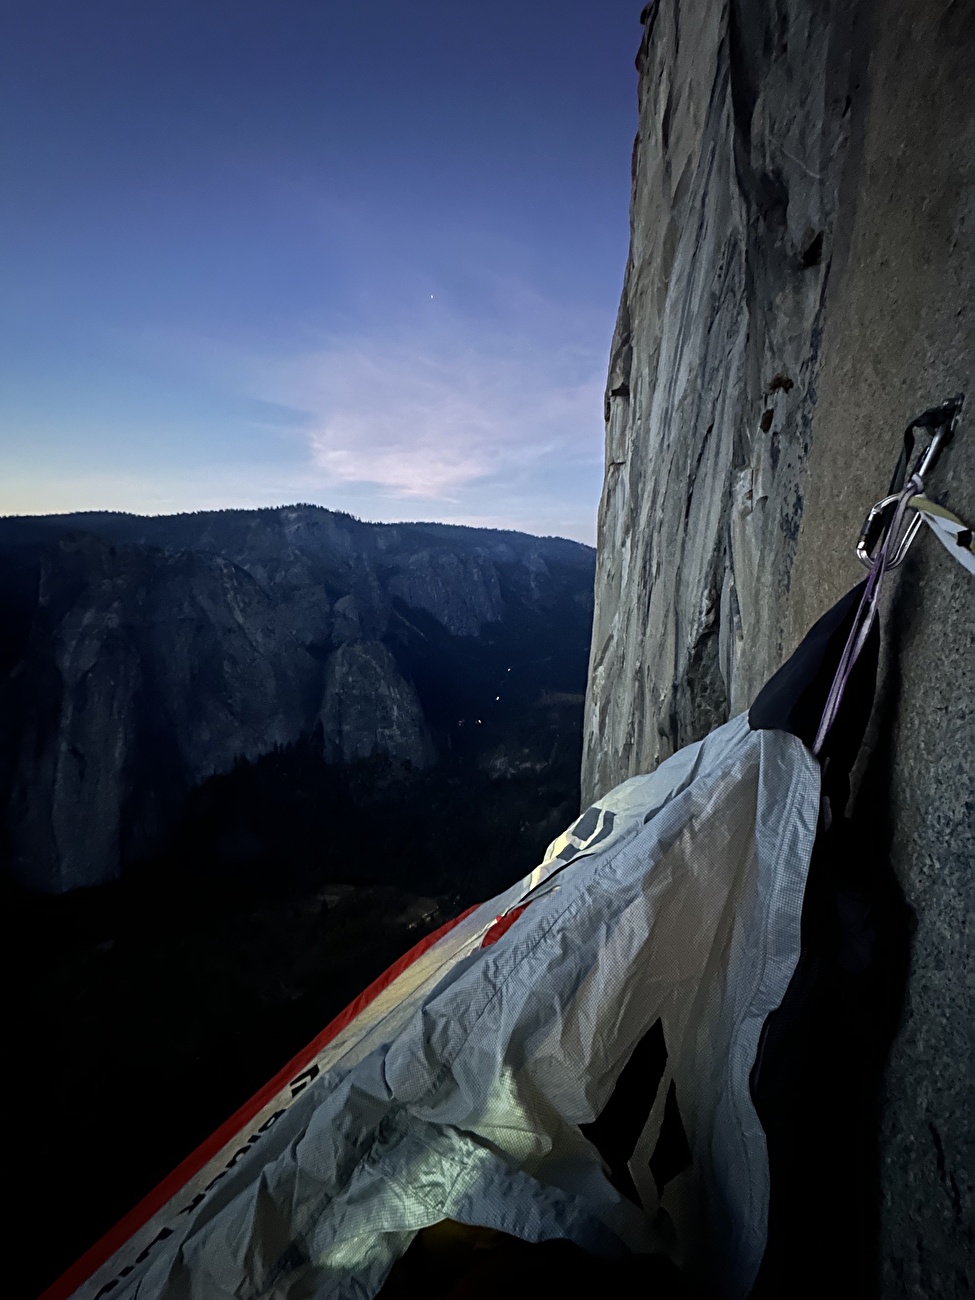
{"x": 800, "y": 283}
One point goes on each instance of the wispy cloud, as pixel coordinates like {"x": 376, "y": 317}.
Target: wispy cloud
{"x": 420, "y": 422}
{"x": 432, "y": 410}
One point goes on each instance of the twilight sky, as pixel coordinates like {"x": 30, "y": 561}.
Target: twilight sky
{"x": 366, "y": 255}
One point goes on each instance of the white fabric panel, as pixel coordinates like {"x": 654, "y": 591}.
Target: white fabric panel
{"x": 466, "y": 1101}
{"x": 953, "y": 533}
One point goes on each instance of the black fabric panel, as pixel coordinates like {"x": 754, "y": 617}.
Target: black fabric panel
{"x": 586, "y": 824}
{"x": 793, "y": 699}
{"x": 452, "y": 1261}
{"x": 672, "y": 1154}
{"x": 614, "y": 1134}
{"x": 817, "y": 1072}
{"x": 816, "y": 1078}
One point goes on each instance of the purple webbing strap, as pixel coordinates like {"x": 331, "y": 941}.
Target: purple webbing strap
{"x": 866, "y": 611}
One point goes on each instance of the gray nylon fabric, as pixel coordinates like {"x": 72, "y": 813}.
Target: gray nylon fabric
{"x": 680, "y": 900}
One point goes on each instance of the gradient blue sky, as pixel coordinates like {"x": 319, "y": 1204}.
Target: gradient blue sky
{"x": 361, "y": 254}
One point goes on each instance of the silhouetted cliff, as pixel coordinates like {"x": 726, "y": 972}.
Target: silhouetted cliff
{"x": 141, "y": 657}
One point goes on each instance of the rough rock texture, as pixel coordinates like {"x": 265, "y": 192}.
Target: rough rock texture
{"x": 139, "y": 657}
{"x": 461, "y": 592}
{"x": 736, "y": 170}
{"x": 801, "y": 282}
{"x": 900, "y": 333}
{"x": 369, "y": 708}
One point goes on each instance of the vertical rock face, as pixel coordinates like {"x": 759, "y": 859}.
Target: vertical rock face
{"x": 370, "y": 708}
{"x": 461, "y": 592}
{"x": 801, "y": 282}
{"x": 736, "y": 173}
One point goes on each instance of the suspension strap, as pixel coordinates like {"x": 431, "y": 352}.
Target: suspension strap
{"x": 886, "y": 537}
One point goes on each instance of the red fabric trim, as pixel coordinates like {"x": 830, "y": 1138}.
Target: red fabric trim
{"x": 116, "y": 1237}
{"x": 501, "y": 926}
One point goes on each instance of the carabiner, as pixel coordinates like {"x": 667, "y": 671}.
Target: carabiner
{"x": 874, "y": 527}
{"x": 943, "y": 420}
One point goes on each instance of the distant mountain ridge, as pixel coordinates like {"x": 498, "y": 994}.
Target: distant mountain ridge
{"x": 140, "y": 656}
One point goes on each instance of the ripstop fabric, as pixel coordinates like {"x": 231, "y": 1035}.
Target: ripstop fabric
{"x": 471, "y": 1087}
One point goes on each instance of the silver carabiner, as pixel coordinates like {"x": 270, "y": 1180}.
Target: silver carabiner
{"x": 873, "y": 530}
